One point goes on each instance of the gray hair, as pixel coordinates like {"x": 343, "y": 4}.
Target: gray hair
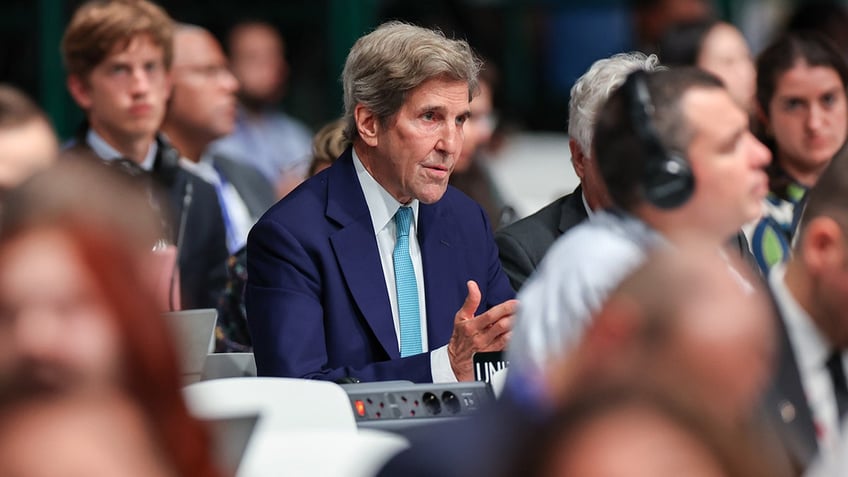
{"x": 592, "y": 90}
{"x": 386, "y": 64}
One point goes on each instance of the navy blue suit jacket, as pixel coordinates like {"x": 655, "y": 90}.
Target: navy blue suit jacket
{"x": 317, "y": 304}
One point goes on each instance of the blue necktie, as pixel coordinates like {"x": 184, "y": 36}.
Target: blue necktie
{"x": 407, "y": 287}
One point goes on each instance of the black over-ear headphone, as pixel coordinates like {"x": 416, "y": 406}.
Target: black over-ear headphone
{"x": 667, "y": 179}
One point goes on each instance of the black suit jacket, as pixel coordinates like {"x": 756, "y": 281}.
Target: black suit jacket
{"x": 202, "y": 244}
{"x": 522, "y": 244}
{"x": 786, "y": 403}
{"x": 255, "y": 190}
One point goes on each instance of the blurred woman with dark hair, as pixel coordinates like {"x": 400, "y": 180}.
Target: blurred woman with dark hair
{"x": 716, "y": 47}
{"x": 802, "y": 116}
{"x": 77, "y": 308}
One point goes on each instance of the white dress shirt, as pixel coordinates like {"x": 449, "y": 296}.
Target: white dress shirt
{"x": 382, "y": 207}
{"x": 811, "y": 350}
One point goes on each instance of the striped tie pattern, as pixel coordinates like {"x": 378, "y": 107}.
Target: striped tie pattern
{"x": 407, "y": 287}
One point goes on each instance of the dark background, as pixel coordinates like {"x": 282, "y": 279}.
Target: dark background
{"x": 539, "y": 47}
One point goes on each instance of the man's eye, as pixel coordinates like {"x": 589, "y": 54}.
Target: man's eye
{"x": 429, "y": 116}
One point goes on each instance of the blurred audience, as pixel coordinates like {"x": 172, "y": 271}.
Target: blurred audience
{"x": 717, "y": 47}
{"x": 275, "y": 143}
{"x": 802, "y": 116}
{"x": 76, "y": 300}
{"x": 27, "y": 141}
{"x": 522, "y": 245}
{"x": 202, "y": 109}
{"x": 118, "y": 56}
{"x": 471, "y": 171}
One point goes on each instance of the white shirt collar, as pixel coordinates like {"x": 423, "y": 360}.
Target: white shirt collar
{"x": 589, "y": 212}
{"x": 381, "y": 205}
{"x": 108, "y": 153}
{"x": 811, "y": 347}
{"x": 204, "y": 168}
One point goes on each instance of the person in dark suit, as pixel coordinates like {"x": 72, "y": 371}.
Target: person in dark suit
{"x": 809, "y": 398}
{"x": 375, "y": 269}
{"x": 117, "y": 55}
{"x": 202, "y": 109}
{"x": 523, "y": 244}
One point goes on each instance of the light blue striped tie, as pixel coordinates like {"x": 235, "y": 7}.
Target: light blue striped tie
{"x": 407, "y": 287}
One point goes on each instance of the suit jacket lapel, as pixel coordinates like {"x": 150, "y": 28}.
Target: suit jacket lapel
{"x": 573, "y": 210}
{"x": 441, "y": 257}
{"x": 356, "y": 251}
{"x": 788, "y": 402}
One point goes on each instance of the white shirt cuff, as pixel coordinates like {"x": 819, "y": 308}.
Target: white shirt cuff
{"x": 440, "y": 366}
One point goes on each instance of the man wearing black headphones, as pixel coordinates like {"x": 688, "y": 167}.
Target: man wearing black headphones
{"x": 679, "y": 161}
{"x": 118, "y": 56}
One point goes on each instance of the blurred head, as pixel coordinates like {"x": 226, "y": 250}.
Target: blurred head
{"x": 817, "y": 273}
{"x": 686, "y": 315}
{"x": 801, "y": 100}
{"x": 694, "y": 117}
{"x": 588, "y": 94}
{"x": 202, "y": 105}
{"x": 258, "y": 59}
{"x": 27, "y": 141}
{"x": 76, "y": 306}
{"x": 637, "y": 431}
{"x": 407, "y": 91}
{"x": 117, "y": 54}
{"x": 93, "y": 434}
{"x": 716, "y": 47}
{"x": 327, "y": 145}
{"x": 480, "y": 127}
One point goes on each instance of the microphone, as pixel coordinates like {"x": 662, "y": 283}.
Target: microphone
{"x": 188, "y": 195}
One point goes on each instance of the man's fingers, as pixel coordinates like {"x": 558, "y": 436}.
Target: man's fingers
{"x": 495, "y": 313}
{"x": 472, "y": 301}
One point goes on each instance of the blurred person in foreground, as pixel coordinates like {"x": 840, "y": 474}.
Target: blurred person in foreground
{"x": 45, "y": 432}
{"x": 201, "y": 109}
{"x": 523, "y": 244}
{"x": 678, "y": 160}
{"x": 680, "y": 323}
{"x": 268, "y": 139}
{"x": 118, "y": 57}
{"x": 77, "y": 309}
{"x": 376, "y": 269}
{"x": 27, "y": 141}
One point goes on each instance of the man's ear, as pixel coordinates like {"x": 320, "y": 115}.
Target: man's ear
{"x": 367, "y": 124}
{"x": 79, "y": 91}
{"x": 822, "y": 245}
{"x": 578, "y": 159}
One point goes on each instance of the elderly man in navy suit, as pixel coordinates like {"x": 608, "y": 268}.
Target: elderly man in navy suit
{"x": 375, "y": 269}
